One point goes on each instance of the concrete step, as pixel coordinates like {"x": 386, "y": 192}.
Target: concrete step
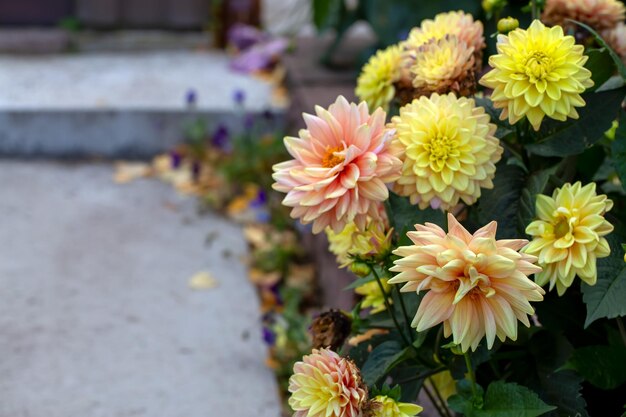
{"x": 97, "y": 317}
{"x": 117, "y": 104}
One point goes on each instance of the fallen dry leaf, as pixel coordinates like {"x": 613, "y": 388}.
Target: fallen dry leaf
{"x": 126, "y": 172}
{"x": 355, "y": 340}
{"x": 202, "y": 280}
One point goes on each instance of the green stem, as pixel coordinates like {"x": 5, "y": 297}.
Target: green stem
{"x": 423, "y": 375}
{"x": 388, "y": 306}
{"x": 405, "y": 314}
{"x": 622, "y": 331}
{"x": 470, "y": 370}
{"x": 444, "y": 407}
{"x": 435, "y": 403}
{"x": 535, "y": 9}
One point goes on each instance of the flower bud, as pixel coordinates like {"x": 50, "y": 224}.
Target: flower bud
{"x": 360, "y": 268}
{"x": 507, "y": 24}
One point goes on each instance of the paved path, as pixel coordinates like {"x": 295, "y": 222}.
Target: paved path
{"x": 96, "y": 315}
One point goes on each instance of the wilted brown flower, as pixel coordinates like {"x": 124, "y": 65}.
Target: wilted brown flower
{"x": 331, "y": 329}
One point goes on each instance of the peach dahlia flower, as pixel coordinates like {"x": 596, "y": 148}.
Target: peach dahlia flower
{"x": 599, "y": 14}
{"x": 341, "y": 164}
{"x": 326, "y": 385}
{"x": 477, "y": 286}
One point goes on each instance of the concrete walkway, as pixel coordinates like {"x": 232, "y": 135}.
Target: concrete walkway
{"x": 96, "y": 314}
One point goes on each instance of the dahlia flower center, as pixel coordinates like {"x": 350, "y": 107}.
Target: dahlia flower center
{"x": 562, "y": 228}
{"x": 440, "y": 148}
{"x": 538, "y": 65}
{"x": 330, "y": 158}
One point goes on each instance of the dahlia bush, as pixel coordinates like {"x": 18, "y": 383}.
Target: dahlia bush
{"x": 477, "y": 182}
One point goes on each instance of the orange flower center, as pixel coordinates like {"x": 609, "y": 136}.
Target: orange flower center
{"x": 330, "y": 159}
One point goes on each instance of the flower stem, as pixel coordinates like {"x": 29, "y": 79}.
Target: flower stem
{"x": 470, "y": 370}
{"x": 444, "y": 407}
{"x": 435, "y": 403}
{"x": 423, "y": 375}
{"x": 407, "y": 323}
{"x": 622, "y": 331}
{"x": 388, "y": 306}
{"x": 534, "y": 9}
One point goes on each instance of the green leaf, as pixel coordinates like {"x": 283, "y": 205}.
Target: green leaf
{"x": 391, "y": 20}
{"x": 464, "y": 401}
{"x": 601, "y": 66}
{"x": 511, "y": 400}
{"x": 563, "y": 390}
{"x": 618, "y": 149}
{"x": 602, "y": 366}
{"x": 382, "y": 360}
{"x": 404, "y": 215}
{"x": 501, "y": 203}
{"x": 606, "y": 298}
{"x": 574, "y": 136}
{"x": 536, "y": 184}
{"x": 616, "y": 59}
{"x": 325, "y": 13}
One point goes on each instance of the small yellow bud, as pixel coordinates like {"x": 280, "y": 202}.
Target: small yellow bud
{"x": 507, "y": 24}
{"x": 493, "y": 6}
{"x": 361, "y": 269}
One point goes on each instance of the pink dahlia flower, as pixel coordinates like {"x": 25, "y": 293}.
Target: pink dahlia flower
{"x": 342, "y": 161}
{"x": 326, "y": 385}
{"x": 477, "y": 286}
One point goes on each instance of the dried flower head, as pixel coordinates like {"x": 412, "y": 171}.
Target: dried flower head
{"x": 477, "y": 285}
{"x": 568, "y": 235}
{"x": 330, "y": 329}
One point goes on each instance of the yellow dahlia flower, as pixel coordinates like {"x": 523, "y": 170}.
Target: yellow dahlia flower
{"x": 373, "y": 297}
{"x": 326, "y": 385}
{"x": 448, "y": 151}
{"x": 375, "y": 84}
{"x": 568, "y": 235}
{"x": 599, "y": 14}
{"x": 372, "y": 243}
{"x": 458, "y": 24}
{"x": 442, "y": 66}
{"x": 477, "y": 285}
{"x": 537, "y": 72}
{"x": 384, "y": 406}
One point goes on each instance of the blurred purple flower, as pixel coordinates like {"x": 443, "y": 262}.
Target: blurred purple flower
{"x": 175, "y": 159}
{"x": 239, "y": 96}
{"x": 195, "y": 170}
{"x": 268, "y": 115}
{"x": 220, "y": 137}
{"x": 269, "y": 336}
{"x": 259, "y": 56}
{"x": 191, "y": 97}
{"x": 248, "y": 121}
{"x": 244, "y": 36}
